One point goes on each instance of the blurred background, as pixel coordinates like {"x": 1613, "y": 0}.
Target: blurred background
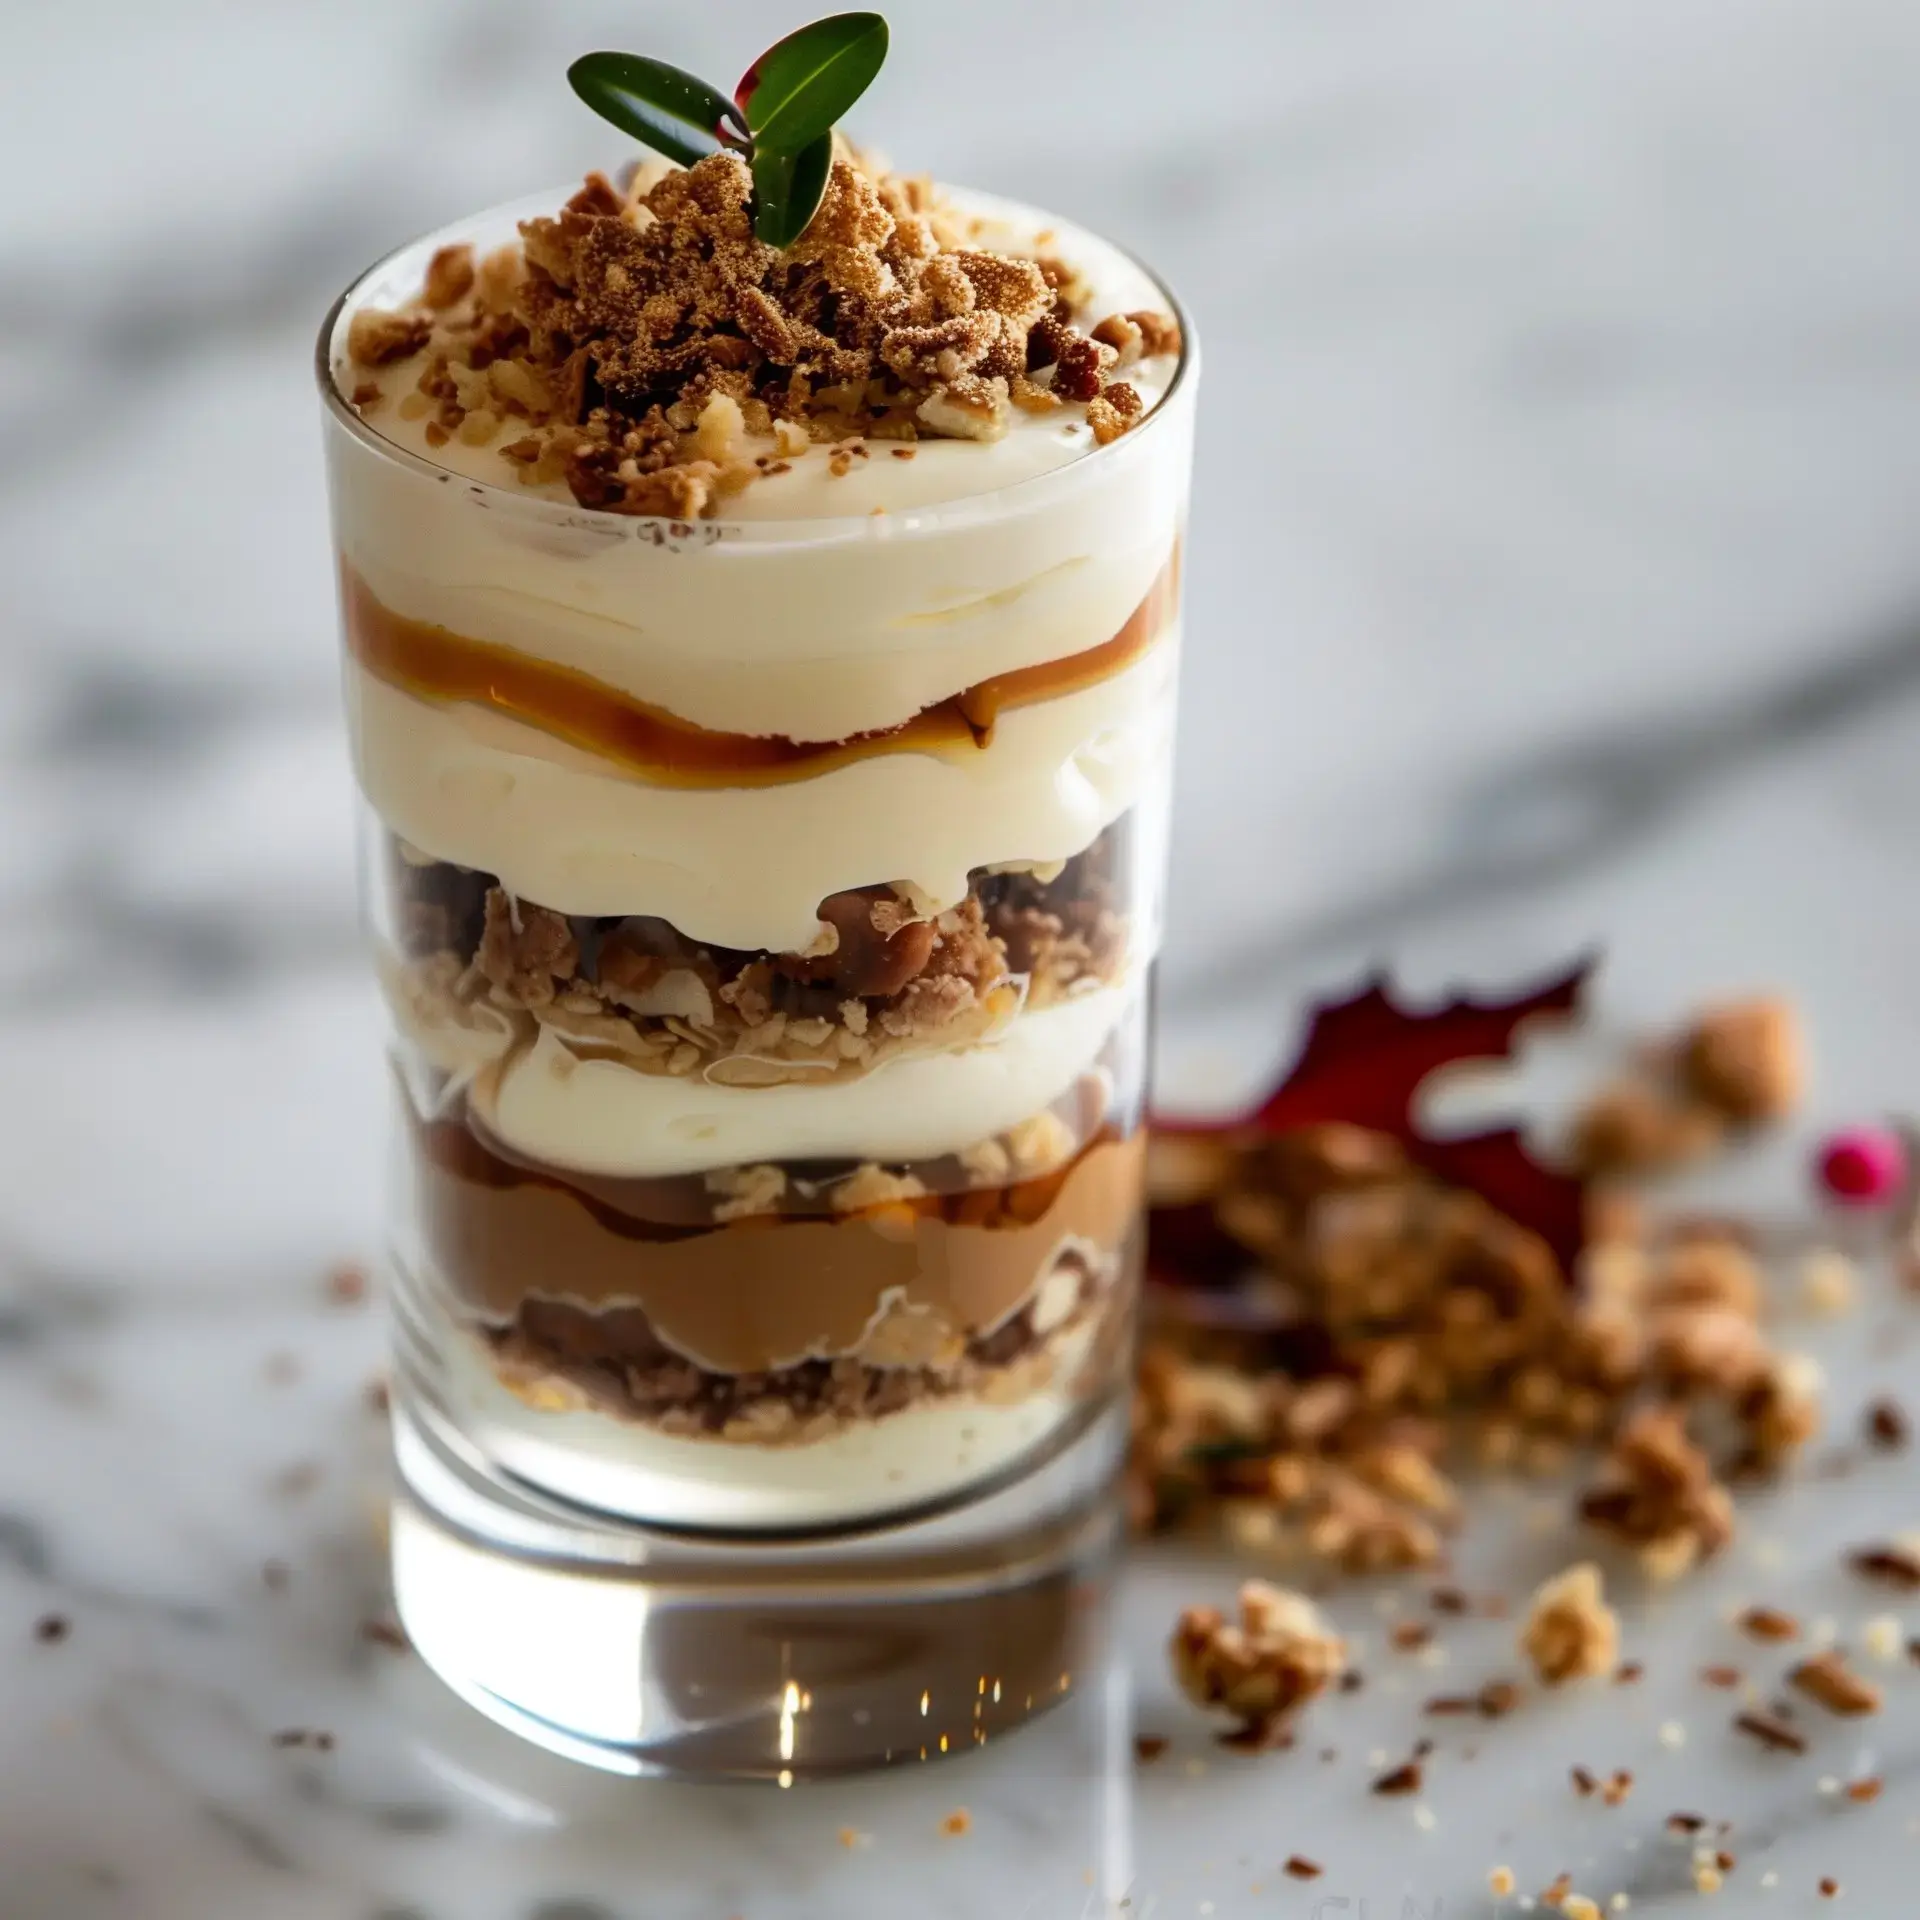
{"x": 1553, "y": 576}
{"x": 1553, "y": 579}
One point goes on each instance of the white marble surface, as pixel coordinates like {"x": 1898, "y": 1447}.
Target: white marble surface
{"x": 1553, "y": 582}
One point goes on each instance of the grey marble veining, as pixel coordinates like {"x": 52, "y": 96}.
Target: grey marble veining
{"x": 1552, "y": 585}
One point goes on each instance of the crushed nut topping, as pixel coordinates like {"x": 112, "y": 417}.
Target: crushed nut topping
{"x": 630, "y": 340}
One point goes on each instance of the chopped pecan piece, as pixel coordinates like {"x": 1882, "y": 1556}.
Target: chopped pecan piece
{"x": 1827, "y": 1678}
{"x": 375, "y": 336}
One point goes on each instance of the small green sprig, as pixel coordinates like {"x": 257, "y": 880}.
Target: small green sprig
{"x": 780, "y": 119}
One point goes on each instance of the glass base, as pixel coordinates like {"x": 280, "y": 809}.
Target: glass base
{"x": 645, "y": 1651}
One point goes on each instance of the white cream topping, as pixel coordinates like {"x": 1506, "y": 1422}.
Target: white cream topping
{"x": 914, "y": 1455}
{"x": 982, "y": 557}
{"x": 602, "y": 1116}
{"x": 747, "y": 867}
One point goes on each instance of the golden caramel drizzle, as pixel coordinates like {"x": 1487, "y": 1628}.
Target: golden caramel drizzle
{"x": 434, "y": 663}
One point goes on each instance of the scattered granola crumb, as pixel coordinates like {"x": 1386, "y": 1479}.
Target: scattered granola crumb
{"x": 1501, "y": 1881}
{"x": 1264, "y": 1668}
{"x": 1707, "y": 1877}
{"x": 1892, "y": 1566}
{"x": 958, "y": 1822}
{"x": 1657, "y": 1493}
{"x": 1497, "y": 1699}
{"x": 1768, "y": 1623}
{"x": 1886, "y": 1425}
{"x": 1829, "y": 1888}
{"x": 1619, "y": 1785}
{"x": 1584, "y": 1783}
{"x": 51, "y": 1628}
{"x": 1628, "y": 1673}
{"x": 1685, "y": 1823}
{"x": 1828, "y": 1283}
{"x": 1672, "y": 1735}
{"x": 1403, "y": 1779}
{"x": 385, "y": 1633}
{"x": 1772, "y": 1732}
{"x": 1882, "y": 1638}
{"x": 1299, "y": 1867}
{"x": 1721, "y": 1676}
{"x": 1148, "y": 1747}
{"x": 1828, "y": 1679}
{"x": 346, "y": 1283}
{"x": 1571, "y": 1633}
{"x": 1576, "y": 1906}
{"x": 314, "y": 1737}
{"x": 1864, "y": 1791}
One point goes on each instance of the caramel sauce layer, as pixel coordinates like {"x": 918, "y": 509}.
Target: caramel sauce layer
{"x": 436, "y": 664}
{"x": 759, "y": 1294}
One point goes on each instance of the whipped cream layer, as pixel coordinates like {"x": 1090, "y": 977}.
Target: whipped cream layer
{"x": 901, "y": 1460}
{"x": 550, "y": 1105}
{"x": 747, "y": 867}
{"x": 822, "y": 606}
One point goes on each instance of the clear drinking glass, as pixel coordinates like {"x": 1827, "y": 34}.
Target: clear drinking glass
{"x": 715, "y": 1456}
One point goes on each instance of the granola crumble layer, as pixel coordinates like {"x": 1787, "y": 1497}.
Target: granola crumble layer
{"x": 486, "y": 972}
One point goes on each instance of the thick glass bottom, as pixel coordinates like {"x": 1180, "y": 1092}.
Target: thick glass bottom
{"x": 644, "y": 1651}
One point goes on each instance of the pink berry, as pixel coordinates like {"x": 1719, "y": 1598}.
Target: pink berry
{"x": 1864, "y": 1166}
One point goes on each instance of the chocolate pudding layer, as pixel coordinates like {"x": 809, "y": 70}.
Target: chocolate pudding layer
{"x": 909, "y": 1278}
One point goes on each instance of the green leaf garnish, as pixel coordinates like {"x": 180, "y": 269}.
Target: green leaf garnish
{"x": 674, "y": 113}
{"x": 801, "y": 85}
{"x": 782, "y": 124}
{"x": 787, "y": 189}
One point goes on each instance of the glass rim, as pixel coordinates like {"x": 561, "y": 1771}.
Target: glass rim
{"x": 987, "y": 504}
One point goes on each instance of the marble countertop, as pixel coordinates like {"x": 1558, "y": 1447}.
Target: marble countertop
{"x": 1553, "y": 584}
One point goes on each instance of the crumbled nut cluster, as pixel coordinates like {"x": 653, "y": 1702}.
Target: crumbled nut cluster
{"x": 629, "y": 343}
{"x": 1261, "y": 1669}
{"x": 1737, "y": 1065}
{"x": 1571, "y": 1633}
{"x": 1345, "y": 1317}
{"x": 1419, "y": 1314}
{"x": 1657, "y": 1492}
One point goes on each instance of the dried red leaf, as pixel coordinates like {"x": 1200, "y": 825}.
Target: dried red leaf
{"x": 1365, "y": 1062}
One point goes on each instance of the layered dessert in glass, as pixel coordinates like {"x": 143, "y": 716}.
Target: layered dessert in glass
{"x": 760, "y": 669}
